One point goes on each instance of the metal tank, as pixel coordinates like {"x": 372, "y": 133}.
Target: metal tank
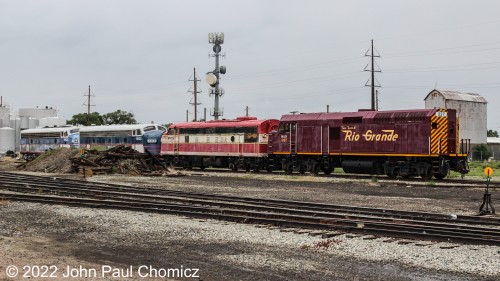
{"x": 7, "y": 139}
{"x": 4, "y": 116}
{"x": 24, "y": 122}
{"x": 38, "y": 112}
{"x": 33, "y": 123}
{"x": 16, "y": 125}
{"x": 51, "y": 122}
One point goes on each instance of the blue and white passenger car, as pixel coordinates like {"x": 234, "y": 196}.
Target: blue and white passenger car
{"x": 109, "y": 136}
{"x": 37, "y": 141}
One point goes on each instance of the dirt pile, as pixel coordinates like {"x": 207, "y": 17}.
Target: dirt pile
{"x": 53, "y": 161}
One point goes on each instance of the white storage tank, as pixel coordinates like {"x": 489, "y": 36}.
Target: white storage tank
{"x": 33, "y": 123}
{"x": 7, "y": 139}
{"x": 25, "y": 124}
{"x": 4, "y": 116}
{"x": 51, "y": 122}
{"x": 16, "y": 125}
{"x": 38, "y": 112}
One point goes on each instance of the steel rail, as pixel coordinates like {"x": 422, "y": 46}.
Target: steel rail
{"x": 401, "y": 231}
{"x": 319, "y": 207}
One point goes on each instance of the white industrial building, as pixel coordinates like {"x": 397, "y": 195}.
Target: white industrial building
{"x": 471, "y": 109}
{"x": 11, "y": 124}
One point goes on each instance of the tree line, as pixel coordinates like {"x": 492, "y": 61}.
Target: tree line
{"x": 115, "y": 117}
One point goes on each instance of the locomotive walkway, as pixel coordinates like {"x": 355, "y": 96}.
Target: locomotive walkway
{"x": 330, "y": 219}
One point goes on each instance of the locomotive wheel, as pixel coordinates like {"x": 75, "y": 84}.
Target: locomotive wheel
{"x": 289, "y": 169}
{"x": 393, "y": 174}
{"x": 428, "y": 174}
{"x": 302, "y": 169}
{"x": 439, "y": 176}
{"x": 233, "y": 167}
{"x": 316, "y": 169}
{"x": 327, "y": 171}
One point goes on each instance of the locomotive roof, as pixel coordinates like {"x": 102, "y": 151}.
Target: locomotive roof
{"x": 240, "y": 122}
{"x": 116, "y": 127}
{"x": 339, "y": 115}
{"x": 49, "y": 130}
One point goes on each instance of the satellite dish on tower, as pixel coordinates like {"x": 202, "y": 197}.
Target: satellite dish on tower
{"x": 211, "y": 79}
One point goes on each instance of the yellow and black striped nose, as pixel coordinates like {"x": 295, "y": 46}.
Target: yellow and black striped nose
{"x": 439, "y": 132}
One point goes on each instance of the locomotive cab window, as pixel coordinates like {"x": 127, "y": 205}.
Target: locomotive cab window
{"x": 284, "y": 127}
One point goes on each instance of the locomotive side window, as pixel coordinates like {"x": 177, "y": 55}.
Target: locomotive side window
{"x": 250, "y": 137}
{"x": 434, "y": 125}
{"x": 149, "y": 128}
{"x": 335, "y": 133}
{"x": 186, "y": 139}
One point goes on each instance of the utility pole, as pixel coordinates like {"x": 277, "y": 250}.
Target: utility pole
{"x": 377, "y": 100}
{"x": 372, "y": 70}
{"x": 195, "y": 93}
{"x": 88, "y": 104}
{"x": 213, "y": 77}
{"x": 205, "y": 114}
{"x": 187, "y": 115}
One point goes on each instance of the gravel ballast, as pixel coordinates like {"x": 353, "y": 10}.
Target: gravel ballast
{"x": 222, "y": 250}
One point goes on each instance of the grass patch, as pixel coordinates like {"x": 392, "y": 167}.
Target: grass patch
{"x": 477, "y": 168}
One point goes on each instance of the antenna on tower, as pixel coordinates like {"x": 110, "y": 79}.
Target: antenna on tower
{"x": 213, "y": 77}
{"x": 88, "y": 104}
{"x": 372, "y": 70}
{"x": 195, "y": 93}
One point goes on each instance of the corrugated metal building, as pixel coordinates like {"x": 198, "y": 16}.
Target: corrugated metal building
{"x": 494, "y": 145}
{"x": 471, "y": 109}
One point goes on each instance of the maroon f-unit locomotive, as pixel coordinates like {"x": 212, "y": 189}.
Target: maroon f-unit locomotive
{"x": 403, "y": 143}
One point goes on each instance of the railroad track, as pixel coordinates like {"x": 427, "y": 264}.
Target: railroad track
{"x": 284, "y": 213}
{"x": 445, "y": 183}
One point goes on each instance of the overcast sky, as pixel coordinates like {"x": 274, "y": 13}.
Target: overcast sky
{"x": 281, "y": 56}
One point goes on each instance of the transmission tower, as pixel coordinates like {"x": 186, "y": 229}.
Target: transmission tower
{"x": 372, "y": 70}
{"x": 88, "y": 104}
{"x": 195, "y": 94}
{"x": 213, "y": 77}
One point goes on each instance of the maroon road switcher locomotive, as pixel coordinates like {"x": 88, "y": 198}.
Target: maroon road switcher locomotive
{"x": 407, "y": 143}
